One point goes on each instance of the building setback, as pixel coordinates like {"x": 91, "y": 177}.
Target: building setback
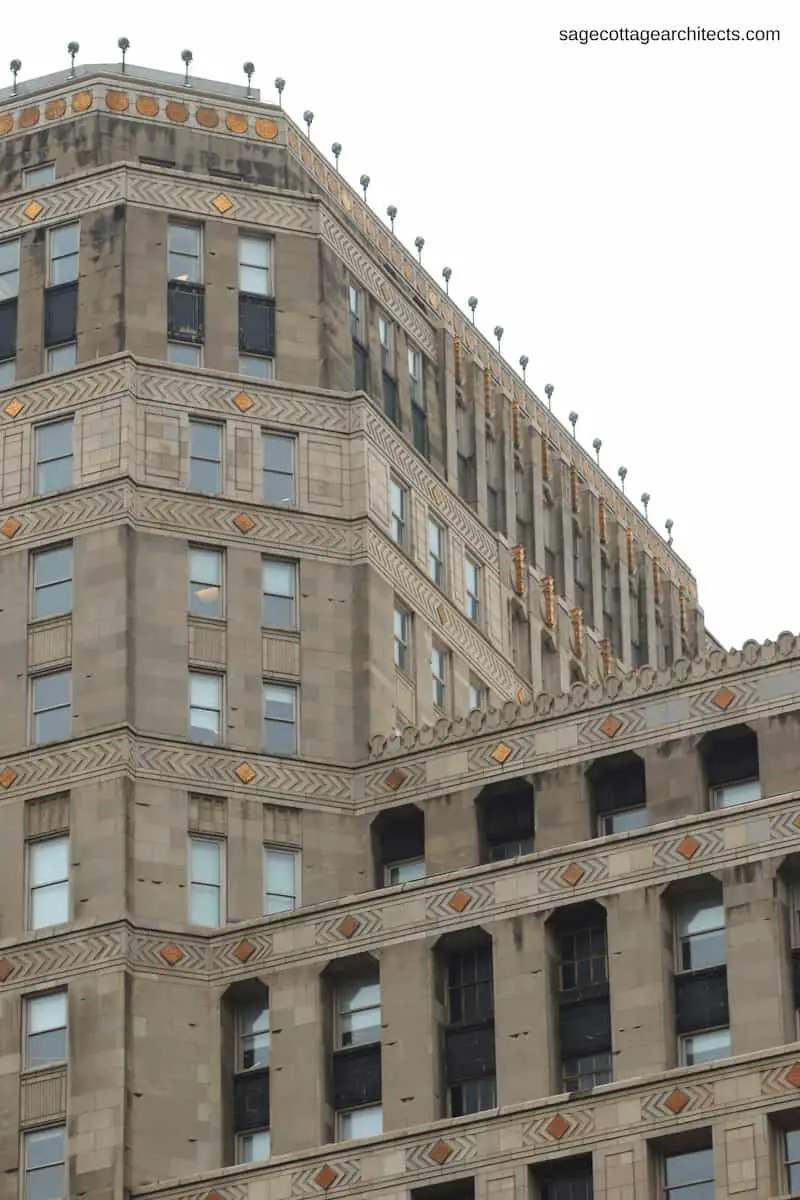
{"x": 378, "y": 817}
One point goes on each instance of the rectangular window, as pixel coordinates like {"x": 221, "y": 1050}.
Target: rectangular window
{"x": 439, "y": 676}
{"x": 472, "y": 577}
{"x": 585, "y": 1072}
{"x": 252, "y": 1037}
{"x": 583, "y": 958}
{"x": 255, "y": 1146}
{"x": 45, "y": 1030}
{"x": 185, "y": 354}
{"x": 436, "y": 552}
{"x": 8, "y": 372}
{"x": 52, "y": 581}
{"x": 46, "y": 1163}
{"x": 205, "y": 582}
{"x": 279, "y": 599}
{"x": 565, "y": 1179}
{"x": 206, "y": 881}
{"x": 184, "y": 253}
{"x": 791, "y": 1158}
{"x": 205, "y": 457}
{"x": 476, "y": 1095}
{"x": 415, "y": 377}
{"x": 34, "y": 177}
{"x": 622, "y": 821}
{"x": 402, "y": 638}
{"x": 255, "y": 273}
{"x": 48, "y": 882}
{"x": 470, "y": 986}
{"x": 404, "y": 872}
{"x": 359, "y": 1123}
{"x": 358, "y": 1012}
{"x": 357, "y": 314}
{"x": 705, "y": 1046}
{"x": 54, "y": 457}
{"x": 689, "y": 1176}
{"x": 701, "y": 934}
{"x": 398, "y": 504}
{"x": 279, "y": 455}
{"x": 477, "y": 695}
{"x": 61, "y": 358}
{"x": 205, "y": 707}
{"x": 386, "y": 337}
{"x": 9, "y": 270}
{"x": 280, "y": 718}
{"x": 63, "y": 244}
{"x": 256, "y": 367}
{"x": 52, "y": 707}
{"x": 740, "y": 792}
{"x": 281, "y": 879}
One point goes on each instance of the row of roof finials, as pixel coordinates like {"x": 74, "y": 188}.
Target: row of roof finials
{"x": 149, "y": 106}
{"x": 718, "y": 665}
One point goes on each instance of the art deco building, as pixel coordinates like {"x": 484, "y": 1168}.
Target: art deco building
{"x": 378, "y": 819}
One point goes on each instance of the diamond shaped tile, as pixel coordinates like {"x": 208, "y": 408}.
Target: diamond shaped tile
{"x": 501, "y": 753}
{"x": 13, "y": 408}
{"x": 7, "y": 777}
{"x": 243, "y": 402}
{"x": 793, "y": 1075}
{"x": 171, "y": 954}
{"x": 243, "y": 523}
{"x": 5, "y": 969}
{"x": 10, "y": 527}
{"x": 33, "y": 210}
{"x": 557, "y": 1127}
{"x": 222, "y": 203}
{"x": 573, "y": 874}
{"x": 244, "y": 951}
{"x": 326, "y": 1178}
{"x": 611, "y": 726}
{"x": 215, "y": 1196}
{"x": 676, "y": 1101}
{"x": 245, "y": 773}
{"x": 688, "y": 846}
{"x": 441, "y": 1152}
{"x": 348, "y": 926}
{"x": 459, "y": 900}
{"x": 724, "y": 698}
{"x": 395, "y": 779}
{"x": 796, "y": 821}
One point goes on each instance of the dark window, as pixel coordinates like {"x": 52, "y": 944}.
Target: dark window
{"x": 400, "y": 846}
{"x": 470, "y": 987}
{"x": 506, "y": 817}
{"x": 586, "y": 1071}
{"x": 462, "y": 1189}
{"x": 583, "y": 958}
{"x": 689, "y": 1176}
{"x": 569, "y": 1179}
{"x": 61, "y": 314}
{"x": 419, "y": 429}
{"x": 476, "y": 1095}
{"x": 619, "y": 797}
{"x": 360, "y": 367}
{"x": 256, "y": 325}
{"x": 467, "y": 485}
{"x": 357, "y": 1077}
{"x": 732, "y": 768}
{"x": 701, "y": 1000}
{"x": 185, "y": 312}
{"x": 251, "y": 1101}
{"x": 8, "y": 329}
{"x": 390, "y": 398}
{"x": 701, "y": 932}
{"x": 584, "y": 1027}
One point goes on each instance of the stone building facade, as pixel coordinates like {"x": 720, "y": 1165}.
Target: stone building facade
{"x": 379, "y": 819}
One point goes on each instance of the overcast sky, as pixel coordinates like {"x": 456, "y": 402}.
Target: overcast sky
{"x": 628, "y": 213}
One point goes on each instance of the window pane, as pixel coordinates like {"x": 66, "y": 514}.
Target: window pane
{"x": 254, "y": 280}
{"x": 205, "y": 861}
{"x": 50, "y": 905}
{"x": 206, "y": 441}
{"x": 278, "y": 702}
{"x": 701, "y": 916}
{"x": 206, "y": 566}
{"x": 280, "y": 738}
{"x": 278, "y": 453}
{"x": 64, "y": 240}
{"x": 793, "y": 1145}
{"x": 53, "y": 566}
{"x": 281, "y": 872}
{"x": 689, "y": 1168}
{"x": 407, "y": 872}
{"x": 279, "y": 578}
{"x": 254, "y": 1019}
{"x": 704, "y": 1047}
{"x": 8, "y": 369}
{"x": 362, "y": 1122}
{"x": 47, "y": 1047}
{"x": 184, "y": 239}
{"x": 205, "y": 904}
{"x": 185, "y": 354}
{"x": 47, "y": 1012}
{"x": 738, "y": 793}
{"x": 54, "y": 599}
{"x": 49, "y": 861}
{"x": 256, "y": 367}
{"x": 254, "y": 251}
{"x": 254, "y": 1147}
{"x": 54, "y": 476}
{"x": 625, "y": 820}
{"x": 53, "y": 440}
{"x": 205, "y": 691}
{"x": 44, "y": 1147}
{"x": 37, "y": 176}
{"x": 359, "y": 993}
{"x": 60, "y": 358}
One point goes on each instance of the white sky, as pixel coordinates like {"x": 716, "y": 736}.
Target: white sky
{"x": 628, "y": 213}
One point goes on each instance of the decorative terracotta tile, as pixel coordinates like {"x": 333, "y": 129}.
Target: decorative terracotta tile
{"x": 522, "y": 696}
{"x": 177, "y": 112}
{"x": 236, "y": 123}
{"x": 147, "y": 106}
{"x": 244, "y": 951}
{"x": 724, "y": 698}
{"x": 215, "y": 1196}
{"x": 501, "y": 753}
{"x": 171, "y": 954}
{"x": 222, "y": 203}
{"x": 793, "y": 1075}
{"x": 10, "y": 527}
{"x": 395, "y": 779}
{"x": 243, "y": 523}
{"x": 243, "y": 402}
{"x": 557, "y": 1127}
{"x": 266, "y": 129}
{"x": 796, "y": 821}
{"x": 441, "y": 1152}
{"x": 7, "y": 777}
{"x": 13, "y": 408}
{"x": 33, "y": 210}
{"x": 348, "y": 926}
{"x": 5, "y": 969}
{"x": 573, "y": 874}
{"x": 245, "y": 772}
{"x": 611, "y": 726}
{"x": 459, "y": 900}
{"x": 326, "y": 1177}
{"x": 687, "y": 847}
{"x": 676, "y": 1101}
{"x": 441, "y": 613}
